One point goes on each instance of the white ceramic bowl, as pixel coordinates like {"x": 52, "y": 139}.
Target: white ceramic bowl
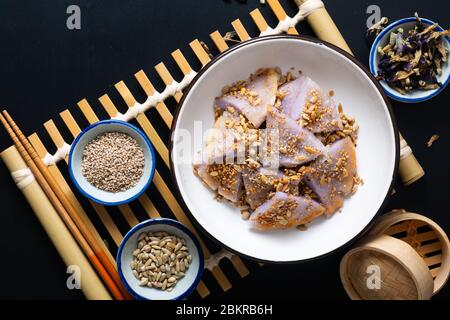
{"x": 383, "y": 39}
{"x": 125, "y": 255}
{"x": 361, "y": 96}
{"x": 101, "y": 196}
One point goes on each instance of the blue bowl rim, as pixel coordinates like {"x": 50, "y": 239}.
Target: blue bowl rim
{"x": 105, "y": 122}
{"x": 373, "y": 52}
{"x": 157, "y": 221}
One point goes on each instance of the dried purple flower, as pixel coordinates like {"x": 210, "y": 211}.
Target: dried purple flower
{"x": 414, "y": 59}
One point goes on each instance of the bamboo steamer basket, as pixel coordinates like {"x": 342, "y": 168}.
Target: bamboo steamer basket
{"x": 425, "y": 236}
{"x": 403, "y": 275}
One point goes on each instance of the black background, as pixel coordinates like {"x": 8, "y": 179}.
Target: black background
{"x": 45, "y": 68}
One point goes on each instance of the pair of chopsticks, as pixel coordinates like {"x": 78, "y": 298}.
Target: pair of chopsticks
{"x": 66, "y": 210}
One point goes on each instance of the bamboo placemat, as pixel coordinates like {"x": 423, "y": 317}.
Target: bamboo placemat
{"x": 114, "y": 222}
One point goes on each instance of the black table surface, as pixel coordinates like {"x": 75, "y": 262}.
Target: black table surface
{"x": 45, "y": 68}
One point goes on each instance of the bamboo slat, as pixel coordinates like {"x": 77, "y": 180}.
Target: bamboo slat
{"x": 87, "y": 111}
{"x": 145, "y": 124}
{"x": 201, "y": 54}
{"x": 433, "y": 260}
{"x": 149, "y": 207}
{"x": 167, "y": 78}
{"x": 435, "y": 271}
{"x": 259, "y": 20}
{"x": 422, "y": 237}
{"x": 181, "y": 61}
{"x": 218, "y": 41}
{"x": 240, "y": 30}
{"x": 148, "y": 88}
{"x": 402, "y": 227}
{"x": 280, "y": 13}
{"x": 429, "y": 248}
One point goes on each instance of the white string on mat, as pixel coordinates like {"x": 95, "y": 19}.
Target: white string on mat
{"x": 22, "y": 177}
{"x": 214, "y": 259}
{"x": 156, "y": 98}
{"x": 305, "y": 9}
{"x": 405, "y": 150}
{"x": 59, "y": 155}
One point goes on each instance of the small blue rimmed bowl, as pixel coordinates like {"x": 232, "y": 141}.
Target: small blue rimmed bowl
{"x": 382, "y": 39}
{"x": 76, "y": 157}
{"x": 129, "y": 244}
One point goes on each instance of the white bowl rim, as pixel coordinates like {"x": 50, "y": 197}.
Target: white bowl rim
{"x": 374, "y": 69}
{"x": 144, "y": 186}
{"x": 160, "y": 221}
{"x": 299, "y": 38}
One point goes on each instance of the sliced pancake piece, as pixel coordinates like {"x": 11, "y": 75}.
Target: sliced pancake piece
{"x": 227, "y": 119}
{"x": 320, "y": 114}
{"x": 295, "y": 95}
{"x": 332, "y": 175}
{"x": 343, "y": 152}
{"x": 201, "y": 171}
{"x": 284, "y": 211}
{"x": 258, "y": 185}
{"x": 253, "y": 98}
{"x": 295, "y": 144}
{"x": 305, "y": 101}
{"x": 225, "y": 178}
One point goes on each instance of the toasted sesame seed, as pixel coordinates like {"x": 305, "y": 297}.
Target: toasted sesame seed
{"x": 113, "y": 162}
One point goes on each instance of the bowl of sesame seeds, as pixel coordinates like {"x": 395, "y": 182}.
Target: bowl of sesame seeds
{"x": 111, "y": 162}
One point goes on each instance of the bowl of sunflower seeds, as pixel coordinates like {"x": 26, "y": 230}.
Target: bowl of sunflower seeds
{"x": 160, "y": 259}
{"x": 410, "y": 59}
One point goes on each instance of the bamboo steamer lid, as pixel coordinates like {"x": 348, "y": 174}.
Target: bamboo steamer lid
{"x": 385, "y": 268}
{"x": 424, "y": 236}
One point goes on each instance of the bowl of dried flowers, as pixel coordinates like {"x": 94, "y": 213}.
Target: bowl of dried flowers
{"x": 111, "y": 162}
{"x": 410, "y": 59}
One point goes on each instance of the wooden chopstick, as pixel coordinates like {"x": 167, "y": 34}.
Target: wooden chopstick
{"x": 66, "y": 211}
